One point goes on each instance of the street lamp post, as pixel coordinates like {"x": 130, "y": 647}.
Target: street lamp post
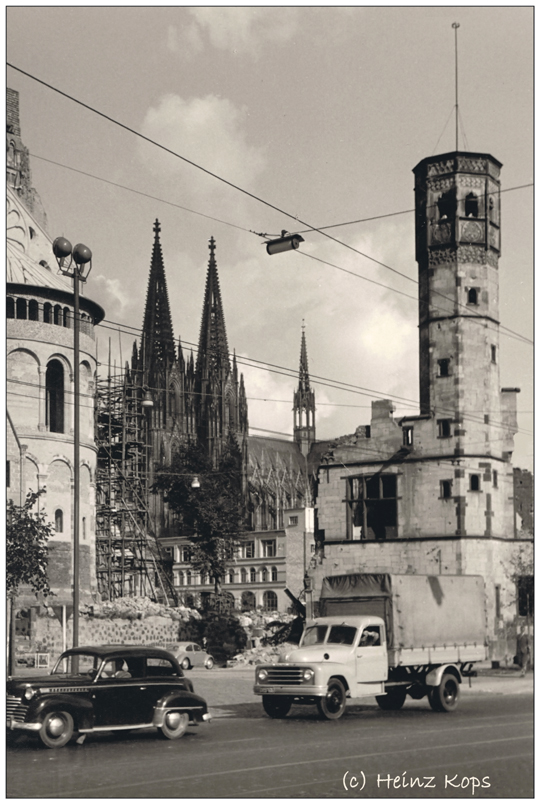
{"x": 80, "y": 258}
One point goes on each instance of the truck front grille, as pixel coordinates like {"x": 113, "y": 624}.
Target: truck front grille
{"x": 284, "y": 675}
{"x": 15, "y": 708}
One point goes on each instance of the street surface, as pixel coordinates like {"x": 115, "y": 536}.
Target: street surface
{"x": 483, "y": 750}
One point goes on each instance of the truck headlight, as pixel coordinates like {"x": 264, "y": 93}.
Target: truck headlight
{"x": 262, "y": 675}
{"x": 308, "y": 674}
{"x": 29, "y": 693}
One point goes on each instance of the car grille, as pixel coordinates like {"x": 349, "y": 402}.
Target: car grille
{"x": 284, "y": 675}
{"x": 15, "y": 708}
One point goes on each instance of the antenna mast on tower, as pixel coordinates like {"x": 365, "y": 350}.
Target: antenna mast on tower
{"x": 455, "y": 26}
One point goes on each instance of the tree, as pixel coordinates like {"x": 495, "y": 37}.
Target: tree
{"x": 27, "y": 539}
{"x": 212, "y": 516}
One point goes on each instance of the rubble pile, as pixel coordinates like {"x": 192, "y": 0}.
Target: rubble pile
{"x": 137, "y": 608}
{"x": 262, "y": 654}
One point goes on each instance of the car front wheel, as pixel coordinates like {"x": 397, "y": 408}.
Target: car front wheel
{"x": 333, "y": 704}
{"x": 276, "y": 705}
{"x": 185, "y": 664}
{"x": 174, "y": 725}
{"x": 56, "y": 729}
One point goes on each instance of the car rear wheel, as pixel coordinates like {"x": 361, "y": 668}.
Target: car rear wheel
{"x": 185, "y": 664}
{"x": 56, "y": 729}
{"x": 394, "y": 698}
{"x": 333, "y": 704}
{"x": 174, "y": 725}
{"x": 209, "y": 663}
{"x": 276, "y": 705}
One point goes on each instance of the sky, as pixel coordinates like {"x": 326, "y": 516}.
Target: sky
{"x": 319, "y": 112}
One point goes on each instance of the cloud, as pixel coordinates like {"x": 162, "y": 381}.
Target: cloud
{"x": 209, "y": 131}
{"x": 244, "y": 30}
{"x": 112, "y": 290}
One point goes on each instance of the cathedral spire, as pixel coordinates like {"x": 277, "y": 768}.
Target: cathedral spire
{"x": 157, "y": 343}
{"x": 304, "y": 403}
{"x": 213, "y": 349}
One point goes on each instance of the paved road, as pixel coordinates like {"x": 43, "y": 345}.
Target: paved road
{"x": 413, "y": 753}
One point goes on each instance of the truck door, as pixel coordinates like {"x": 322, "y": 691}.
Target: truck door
{"x": 371, "y": 656}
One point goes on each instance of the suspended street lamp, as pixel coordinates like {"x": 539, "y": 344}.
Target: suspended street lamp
{"x": 287, "y": 242}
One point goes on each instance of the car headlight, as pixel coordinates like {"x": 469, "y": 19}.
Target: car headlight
{"x": 262, "y": 675}
{"x": 29, "y": 693}
{"x": 308, "y": 674}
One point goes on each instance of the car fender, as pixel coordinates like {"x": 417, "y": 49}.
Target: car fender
{"x": 324, "y": 671}
{"x": 182, "y": 701}
{"x": 434, "y": 677}
{"x": 81, "y": 709}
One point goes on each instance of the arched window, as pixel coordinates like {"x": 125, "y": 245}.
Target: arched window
{"x": 33, "y": 310}
{"x": 264, "y": 574}
{"x": 21, "y": 308}
{"x": 471, "y": 205}
{"x": 472, "y": 296}
{"x": 447, "y": 205}
{"x": 188, "y": 577}
{"x": 47, "y": 312}
{"x": 180, "y": 578}
{"x": 270, "y": 601}
{"x": 59, "y": 520}
{"x": 58, "y": 318}
{"x": 10, "y": 307}
{"x": 84, "y": 527}
{"x": 253, "y": 575}
{"x": 54, "y": 390}
{"x": 475, "y": 483}
{"x": 231, "y": 576}
{"x": 243, "y": 575}
{"x": 274, "y": 574}
{"x": 67, "y": 317}
{"x": 248, "y": 601}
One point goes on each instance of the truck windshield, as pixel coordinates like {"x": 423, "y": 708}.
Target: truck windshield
{"x": 342, "y": 635}
{"x": 314, "y": 635}
{"x": 79, "y": 664}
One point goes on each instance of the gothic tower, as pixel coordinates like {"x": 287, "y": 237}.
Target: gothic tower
{"x": 304, "y": 404}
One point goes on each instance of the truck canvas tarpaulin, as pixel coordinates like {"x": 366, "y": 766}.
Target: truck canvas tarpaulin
{"x": 419, "y": 610}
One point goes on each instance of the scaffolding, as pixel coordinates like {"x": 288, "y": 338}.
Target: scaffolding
{"x": 129, "y": 559}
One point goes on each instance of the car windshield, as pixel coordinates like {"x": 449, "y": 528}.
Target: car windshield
{"x": 78, "y": 664}
{"x": 342, "y": 635}
{"x": 314, "y": 635}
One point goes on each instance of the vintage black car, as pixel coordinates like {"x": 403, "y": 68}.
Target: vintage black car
{"x": 116, "y": 688}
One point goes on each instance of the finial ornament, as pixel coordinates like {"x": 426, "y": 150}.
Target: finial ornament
{"x": 212, "y": 246}
{"x": 157, "y": 226}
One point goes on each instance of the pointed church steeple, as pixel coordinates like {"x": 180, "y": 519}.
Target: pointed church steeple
{"x": 304, "y": 403}
{"x": 213, "y": 355}
{"x": 157, "y": 353}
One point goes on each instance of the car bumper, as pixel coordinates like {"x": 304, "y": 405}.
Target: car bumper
{"x": 16, "y": 724}
{"x": 292, "y": 691}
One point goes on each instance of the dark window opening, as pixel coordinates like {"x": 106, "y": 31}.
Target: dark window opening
{"x": 10, "y": 307}
{"x": 248, "y": 601}
{"x": 33, "y": 310}
{"x": 21, "y": 308}
{"x": 495, "y": 479}
{"x": 54, "y": 387}
{"x": 475, "y": 483}
{"x": 59, "y": 521}
{"x": 472, "y": 296}
{"x": 269, "y": 601}
{"x": 525, "y": 595}
{"x": 408, "y": 436}
{"x": 372, "y": 505}
{"x": 57, "y": 314}
{"x": 274, "y": 574}
{"x": 493, "y": 354}
{"x": 67, "y": 317}
{"x": 471, "y": 206}
{"x": 47, "y": 312}
{"x": 445, "y": 430}
{"x": 253, "y": 575}
{"x": 497, "y": 601}
{"x": 8, "y": 474}
{"x": 446, "y": 489}
{"x": 447, "y": 205}
{"x": 444, "y": 367}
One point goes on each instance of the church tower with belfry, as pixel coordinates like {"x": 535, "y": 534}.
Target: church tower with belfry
{"x": 304, "y": 403}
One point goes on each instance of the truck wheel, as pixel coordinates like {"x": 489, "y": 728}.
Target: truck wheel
{"x": 394, "y": 698}
{"x": 334, "y": 702}
{"x": 56, "y": 729}
{"x": 445, "y": 697}
{"x": 276, "y": 706}
{"x": 174, "y": 725}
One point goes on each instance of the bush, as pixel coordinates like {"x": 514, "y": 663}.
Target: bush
{"x": 223, "y": 634}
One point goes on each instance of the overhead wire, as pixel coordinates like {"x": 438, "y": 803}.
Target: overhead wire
{"x": 226, "y": 181}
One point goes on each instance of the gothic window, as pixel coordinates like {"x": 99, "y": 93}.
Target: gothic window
{"x": 10, "y": 307}
{"x": 21, "y": 308}
{"x": 54, "y": 394}
{"x": 446, "y": 489}
{"x": 471, "y": 205}
{"x": 33, "y": 310}
{"x": 472, "y": 296}
{"x": 274, "y": 574}
{"x": 445, "y": 429}
{"x": 372, "y": 504}
{"x": 270, "y": 601}
{"x": 59, "y": 520}
{"x": 444, "y": 367}
{"x": 47, "y": 312}
{"x": 474, "y": 483}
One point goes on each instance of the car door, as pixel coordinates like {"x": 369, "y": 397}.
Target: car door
{"x": 371, "y": 658}
{"x": 198, "y": 656}
{"x": 122, "y": 701}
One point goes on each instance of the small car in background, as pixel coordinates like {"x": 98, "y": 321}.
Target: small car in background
{"x": 118, "y": 688}
{"x": 189, "y": 654}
